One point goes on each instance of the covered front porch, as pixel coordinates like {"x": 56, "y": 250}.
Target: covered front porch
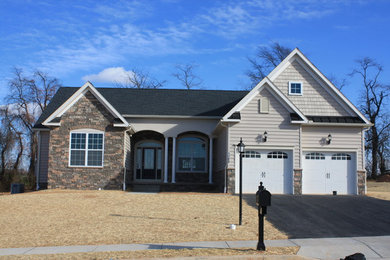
{"x": 158, "y": 162}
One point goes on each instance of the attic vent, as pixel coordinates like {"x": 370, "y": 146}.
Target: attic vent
{"x": 264, "y": 105}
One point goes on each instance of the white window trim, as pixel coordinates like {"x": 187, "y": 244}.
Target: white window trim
{"x": 177, "y": 154}
{"x": 85, "y": 131}
{"x": 289, "y": 88}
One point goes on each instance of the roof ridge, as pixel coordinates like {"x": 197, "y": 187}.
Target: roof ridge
{"x": 166, "y": 89}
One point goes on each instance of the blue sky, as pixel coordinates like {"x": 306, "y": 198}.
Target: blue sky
{"x": 77, "y": 40}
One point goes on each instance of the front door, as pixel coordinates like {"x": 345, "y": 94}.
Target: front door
{"x": 148, "y": 163}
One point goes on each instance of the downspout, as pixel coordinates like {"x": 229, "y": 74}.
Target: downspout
{"x": 37, "y": 165}
{"x": 226, "y": 158}
{"x": 363, "y": 161}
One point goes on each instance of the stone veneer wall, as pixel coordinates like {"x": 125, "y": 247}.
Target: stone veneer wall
{"x": 297, "y": 181}
{"x": 231, "y": 181}
{"x": 361, "y": 182}
{"x": 89, "y": 113}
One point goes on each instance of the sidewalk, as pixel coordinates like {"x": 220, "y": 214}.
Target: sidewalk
{"x": 318, "y": 248}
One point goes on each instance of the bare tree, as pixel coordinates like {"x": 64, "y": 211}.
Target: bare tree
{"x": 7, "y": 140}
{"x": 373, "y": 99}
{"x": 140, "y": 79}
{"x": 339, "y": 83}
{"x": 185, "y": 74}
{"x": 265, "y": 60}
{"x": 28, "y": 97}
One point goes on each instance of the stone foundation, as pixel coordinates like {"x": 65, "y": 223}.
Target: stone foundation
{"x": 297, "y": 181}
{"x": 361, "y": 185}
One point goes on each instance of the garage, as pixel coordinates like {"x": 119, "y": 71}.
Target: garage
{"x": 272, "y": 167}
{"x": 328, "y": 172}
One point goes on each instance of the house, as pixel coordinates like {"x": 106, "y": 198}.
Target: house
{"x": 301, "y": 135}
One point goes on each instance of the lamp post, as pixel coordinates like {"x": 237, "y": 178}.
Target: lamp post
{"x": 241, "y": 147}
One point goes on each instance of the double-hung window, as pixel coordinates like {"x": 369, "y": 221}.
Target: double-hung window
{"x": 86, "y": 149}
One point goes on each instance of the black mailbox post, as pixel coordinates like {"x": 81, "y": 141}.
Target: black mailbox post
{"x": 263, "y": 200}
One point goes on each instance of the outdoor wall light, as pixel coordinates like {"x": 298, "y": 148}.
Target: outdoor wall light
{"x": 241, "y": 146}
{"x": 329, "y": 139}
{"x": 265, "y": 136}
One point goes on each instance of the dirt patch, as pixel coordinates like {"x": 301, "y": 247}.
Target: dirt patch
{"x": 58, "y": 217}
{"x": 165, "y": 253}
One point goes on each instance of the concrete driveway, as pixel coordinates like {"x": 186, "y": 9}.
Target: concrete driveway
{"x": 311, "y": 216}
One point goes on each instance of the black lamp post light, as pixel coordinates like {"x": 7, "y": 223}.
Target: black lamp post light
{"x": 241, "y": 150}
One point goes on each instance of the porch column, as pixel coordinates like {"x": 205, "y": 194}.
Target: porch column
{"x": 211, "y": 160}
{"x": 173, "y": 159}
{"x": 166, "y": 161}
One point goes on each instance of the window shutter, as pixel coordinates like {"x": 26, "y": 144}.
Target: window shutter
{"x": 263, "y": 105}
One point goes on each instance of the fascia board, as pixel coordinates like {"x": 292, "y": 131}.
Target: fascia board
{"x": 75, "y": 97}
{"x": 330, "y": 84}
{"x": 275, "y": 92}
{"x": 284, "y": 100}
{"x": 243, "y": 102}
{"x": 67, "y": 104}
{"x": 282, "y": 66}
{"x": 327, "y": 89}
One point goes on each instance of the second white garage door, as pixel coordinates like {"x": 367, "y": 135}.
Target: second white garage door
{"x": 273, "y": 168}
{"x": 324, "y": 173}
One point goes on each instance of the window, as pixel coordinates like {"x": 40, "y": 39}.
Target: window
{"x": 295, "y": 88}
{"x": 315, "y": 156}
{"x": 86, "y": 149}
{"x": 191, "y": 154}
{"x": 277, "y": 155}
{"x": 341, "y": 156}
{"x": 251, "y": 154}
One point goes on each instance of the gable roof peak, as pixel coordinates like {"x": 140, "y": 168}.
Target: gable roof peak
{"x": 87, "y": 87}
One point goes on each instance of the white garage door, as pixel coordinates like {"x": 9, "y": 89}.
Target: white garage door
{"x": 273, "y": 168}
{"x": 324, "y": 173}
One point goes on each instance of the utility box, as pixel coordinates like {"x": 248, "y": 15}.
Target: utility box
{"x": 17, "y": 188}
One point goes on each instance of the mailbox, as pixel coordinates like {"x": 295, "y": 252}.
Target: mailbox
{"x": 263, "y": 200}
{"x": 263, "y": 197}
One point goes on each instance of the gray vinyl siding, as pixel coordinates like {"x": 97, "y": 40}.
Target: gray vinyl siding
{"x": 281, "y": 133}
{"x": 343, "y": 138}
{"x": 315, "y": 99}
{"x": 44, "y": 156}
{"x": 127, "y": 151}
{"x": 220, "y": 151}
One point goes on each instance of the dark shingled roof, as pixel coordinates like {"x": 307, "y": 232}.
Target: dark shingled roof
{"x": 167, "y": 102}
{"x": 335, "y": 119}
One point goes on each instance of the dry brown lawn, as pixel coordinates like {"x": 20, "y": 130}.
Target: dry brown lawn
{"x": 63, "y": 217}
{"x": 379, "y": 190}
{"x": 161, "y": 254}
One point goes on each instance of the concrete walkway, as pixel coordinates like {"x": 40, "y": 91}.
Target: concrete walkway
{"x": 319, "y": 248}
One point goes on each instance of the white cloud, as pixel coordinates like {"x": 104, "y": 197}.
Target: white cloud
{"x": 110, "y": 75}
{"x": 114, "y": 41}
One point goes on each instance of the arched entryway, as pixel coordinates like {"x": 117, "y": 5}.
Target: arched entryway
{"x": 148, "y": 156}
